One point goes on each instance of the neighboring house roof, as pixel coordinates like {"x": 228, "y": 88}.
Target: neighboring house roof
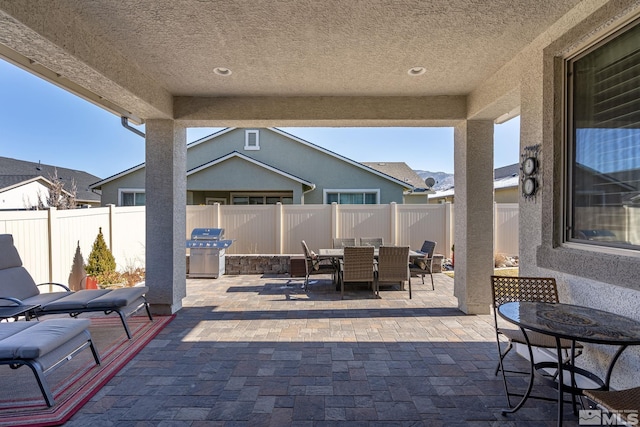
{"x": 8, "y": 182}
{"x": 504, "y": 177}
{"x": 236, "y": 154}
{"x": 507, "y": 171}
{"x": 205, "y": 139}
{"x": 15, "y": 172}
{"x": 398, "y": 170}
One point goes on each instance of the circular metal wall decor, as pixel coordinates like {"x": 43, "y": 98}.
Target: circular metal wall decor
{"x": 530, "y": 167}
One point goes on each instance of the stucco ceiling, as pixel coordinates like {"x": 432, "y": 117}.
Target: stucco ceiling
{"x": 312, "y": 48}
{"x": 283, "y": 48}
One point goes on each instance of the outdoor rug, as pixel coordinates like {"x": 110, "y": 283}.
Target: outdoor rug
{"x": 77, "y": 380}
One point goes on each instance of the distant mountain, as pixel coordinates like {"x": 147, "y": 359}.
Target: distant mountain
{"x": 444, "y": 180}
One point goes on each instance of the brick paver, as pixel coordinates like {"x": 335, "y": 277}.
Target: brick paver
{"x": 259, "y": 351}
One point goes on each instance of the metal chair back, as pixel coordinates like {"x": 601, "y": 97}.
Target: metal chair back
{"x": 428, "y": 247}
{"x": 535, "y": 289}
{"x": 424, "y": 265}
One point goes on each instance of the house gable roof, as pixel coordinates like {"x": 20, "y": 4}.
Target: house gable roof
{"x": 97, "y": 185}
{"x": 211, "y": 137}
{"x": 11, "y": 182}
{"x": 13, "y": 172}
{"x": 236, "y": 154}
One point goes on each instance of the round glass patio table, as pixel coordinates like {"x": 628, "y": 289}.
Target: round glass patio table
{"x": 576, "y": 323}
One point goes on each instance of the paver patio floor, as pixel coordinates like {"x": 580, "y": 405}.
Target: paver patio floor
{"x": 259, "y": 351}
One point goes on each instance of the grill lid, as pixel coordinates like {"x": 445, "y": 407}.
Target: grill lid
{"x": 207, "y": 234}
{"x": 208, "y": 238}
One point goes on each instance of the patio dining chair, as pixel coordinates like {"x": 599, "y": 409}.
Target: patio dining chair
{"x": 424, "y": 265}
{"x": 376, "y": 242}
{"x": 356, "y": 266}
{"x": 314, "y": 265}
{"x": 393, "y": 266}
{"x": 341, "y": 242}
{"x": 534, "y": 289}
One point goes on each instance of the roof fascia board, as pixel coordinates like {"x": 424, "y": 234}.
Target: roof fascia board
{"x": 116, "y": 176}
{"x": 29, "y": 181}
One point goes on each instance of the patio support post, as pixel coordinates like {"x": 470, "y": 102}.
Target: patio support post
{"x": 473, "y": 215}
{"x": 166, "y": 199}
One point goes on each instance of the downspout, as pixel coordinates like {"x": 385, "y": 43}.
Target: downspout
{"x": 313, "y": 187}
{"x": 125, "y": 123}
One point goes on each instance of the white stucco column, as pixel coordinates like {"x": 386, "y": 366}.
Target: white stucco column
{"x": 473, "y": 215}
{"x": 166, "y": 198}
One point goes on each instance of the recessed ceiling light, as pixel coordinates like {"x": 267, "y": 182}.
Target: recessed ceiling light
{"x": 221, "y": 71}
{"x": 416, "y": 71}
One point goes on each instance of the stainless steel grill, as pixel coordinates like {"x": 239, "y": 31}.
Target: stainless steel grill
{"x": 207, "y": 248}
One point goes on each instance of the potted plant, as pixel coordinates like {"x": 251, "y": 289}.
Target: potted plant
{"x": 101, "y": 266}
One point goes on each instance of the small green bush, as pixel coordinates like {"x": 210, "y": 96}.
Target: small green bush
{"x": 101, "y": 264}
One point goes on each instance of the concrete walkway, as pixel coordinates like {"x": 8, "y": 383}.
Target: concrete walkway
{"x": 259, "y": 351}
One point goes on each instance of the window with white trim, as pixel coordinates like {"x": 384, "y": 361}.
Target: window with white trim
{"x": 603, "y": 149}
{"x": 132, "y": 197}
{"x": 260, "y": 199}
{"x": 352, "y": 197}
{"x": 251, "y": 140}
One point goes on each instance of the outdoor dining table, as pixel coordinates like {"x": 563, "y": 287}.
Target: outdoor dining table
{"x": 575, "y": 323}
{"x": 338, "y": 253}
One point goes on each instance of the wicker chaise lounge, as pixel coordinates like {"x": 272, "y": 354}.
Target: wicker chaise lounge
{"x": 18, "y": 287}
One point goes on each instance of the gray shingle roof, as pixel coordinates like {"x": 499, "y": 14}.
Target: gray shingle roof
{"x": 398, "y": 170}
{"x": 507, "y": 171}
{"x": 13, "y": 171}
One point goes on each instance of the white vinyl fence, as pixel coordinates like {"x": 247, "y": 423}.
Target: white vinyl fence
{"x": 48, "y": 240}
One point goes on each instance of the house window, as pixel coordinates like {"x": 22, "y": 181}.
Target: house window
{"x": 132, "y": 197}
{"x": 261, "y": 199}
{"x": 251, "y": 140}
{"x": 603, "y": 150}
{"x": 352, "y": 197}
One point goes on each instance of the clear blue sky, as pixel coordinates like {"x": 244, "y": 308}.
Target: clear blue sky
{"x": 41, "y": 122}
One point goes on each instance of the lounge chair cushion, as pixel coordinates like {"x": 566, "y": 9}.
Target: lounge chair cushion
{"x": 10, "y": 257}
{"x": 44, "y": 299}
{"x": 419, "y": 263}
{"x": 38, "y": 338}
{"x": 73, "y": 300}
{"x": 121, "y": 297}
{"x": 16, "y": 282}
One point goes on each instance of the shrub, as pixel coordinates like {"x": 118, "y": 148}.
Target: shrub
{"x": 101, "y": 264}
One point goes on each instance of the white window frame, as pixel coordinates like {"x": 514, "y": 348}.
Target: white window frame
{"x": 263, "y": 195}
{"x": 247, "y": 145}
{"x": 365, "y": 191}
{"x": 121, "y": 191}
